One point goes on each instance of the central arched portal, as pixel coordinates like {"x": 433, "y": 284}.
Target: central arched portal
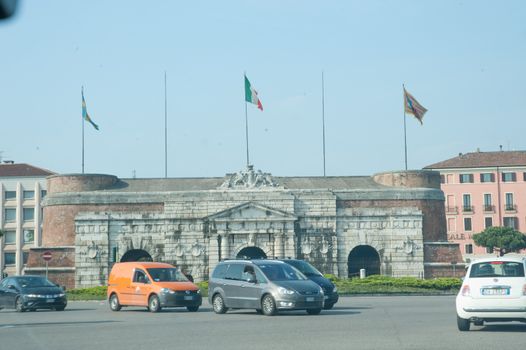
{"x": 251, "y": 253}
{"x": 363, "y": 257}
{"x": 136, "y": 255}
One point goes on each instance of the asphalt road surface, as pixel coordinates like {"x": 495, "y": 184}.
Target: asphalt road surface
{"x": 416, "y": 322}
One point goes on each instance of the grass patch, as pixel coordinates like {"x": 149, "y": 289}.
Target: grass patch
{"x": 93, "y": 293}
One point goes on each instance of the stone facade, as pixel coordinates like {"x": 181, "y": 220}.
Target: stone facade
{"x": 194, "y": 223}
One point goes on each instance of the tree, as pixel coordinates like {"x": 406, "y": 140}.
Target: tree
{"x": 503, "y": 239}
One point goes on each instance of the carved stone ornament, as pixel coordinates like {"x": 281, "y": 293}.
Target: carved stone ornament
{"x": 93, "y": 250}
{"x": 248, "y": 179}
{"x": 408, "y": 246}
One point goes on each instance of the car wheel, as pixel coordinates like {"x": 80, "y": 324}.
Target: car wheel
{"x": 463, "y": 324}
{"x": 192, "y": 308}
{"x": 19, "y": 305}
{"x": 328, "y": 306}
{"x": 268, "y": 305}
{"x": 60, "y": 308}
{"x": 259, "y": 311}
{"x": 114, "y": 303}
{"x": 219, "y": 304}
{"x": 313, "y": 311}
{"x": 154, "y": 304}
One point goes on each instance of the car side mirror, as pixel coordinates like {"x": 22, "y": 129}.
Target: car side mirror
{"x": 12, "y": 287}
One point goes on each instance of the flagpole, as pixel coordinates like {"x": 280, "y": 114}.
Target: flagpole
{"x": 405, "y": 132}
{"x": 323, "y": 117}
{"x": 246, "y": 121}
{"x": 82, "y": 93}
{"x": 165, "y": 130}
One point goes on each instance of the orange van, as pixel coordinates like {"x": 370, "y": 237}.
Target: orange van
{"x": 151, "y": 284}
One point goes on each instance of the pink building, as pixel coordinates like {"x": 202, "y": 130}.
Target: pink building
{"x": 482, "y": 189}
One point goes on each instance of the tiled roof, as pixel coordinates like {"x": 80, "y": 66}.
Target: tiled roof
{"x": 483, "y": 159}
{"x": 21, "y": 169}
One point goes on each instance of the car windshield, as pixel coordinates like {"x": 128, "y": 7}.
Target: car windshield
{"x": 281, "y": 272}
{"x": 167, "y": 274}
{"x": 31, "y": 282}
{"x": 497, "y": 269}
{"x": 305, "y": 268}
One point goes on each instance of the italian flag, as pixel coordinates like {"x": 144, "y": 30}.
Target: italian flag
{"x": 251, "y": 95}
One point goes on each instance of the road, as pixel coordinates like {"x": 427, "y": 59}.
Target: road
{"x": 416, "y": 322}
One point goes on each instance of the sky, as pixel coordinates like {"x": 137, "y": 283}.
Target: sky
{"x": 462, "y": 60}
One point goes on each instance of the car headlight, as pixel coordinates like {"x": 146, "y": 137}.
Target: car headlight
{"x": 167, "y": 291}
{"x": 32, "y": 295}
{"x": 335, "y": 289}
{"x": 198, "y": 291}
{"x": 61, "y": 295}
{"x": 285, "y": 291}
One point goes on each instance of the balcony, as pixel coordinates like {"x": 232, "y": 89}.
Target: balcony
{"x": 510, "y": 208}
{"x": 452, "y": 210}
{"x": 489, "y": 208}
{"x": 467, "y": 209}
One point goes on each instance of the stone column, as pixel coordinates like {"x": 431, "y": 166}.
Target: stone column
{"x": 225, "y": 251}
{"x": 38, "y": 216}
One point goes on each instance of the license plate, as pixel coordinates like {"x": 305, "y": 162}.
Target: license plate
{"x": 188, "y": 297}
{"x": 495, "y": 291}
{"x": 50, "y": 300}
{"x": 310, "y": 298}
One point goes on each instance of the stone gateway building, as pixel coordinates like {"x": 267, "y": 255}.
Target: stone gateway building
{"x": 391, "y": 223}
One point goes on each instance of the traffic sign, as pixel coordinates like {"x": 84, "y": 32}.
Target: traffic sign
{"x": 47, "y": 255}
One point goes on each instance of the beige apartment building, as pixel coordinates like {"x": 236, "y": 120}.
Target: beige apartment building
{"x": 22, "y": 188}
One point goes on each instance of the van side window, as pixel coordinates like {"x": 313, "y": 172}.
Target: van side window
{"x": 248, "y": 273}
{"x": 234, "y": 272}
{"x": 140, "y": 277}
{"x": 220, "y": 271}
{"x": 260, "y": 277}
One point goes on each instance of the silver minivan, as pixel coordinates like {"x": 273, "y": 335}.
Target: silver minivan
{"x": 268, "y": 286}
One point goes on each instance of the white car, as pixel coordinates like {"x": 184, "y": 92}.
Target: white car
{"x": 494, "y": 290}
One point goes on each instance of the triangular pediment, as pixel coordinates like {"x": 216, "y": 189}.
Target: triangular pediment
{"x": 251, "y": 212}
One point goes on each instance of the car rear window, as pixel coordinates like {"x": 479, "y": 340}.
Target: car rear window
{"x": 497, "y": 269}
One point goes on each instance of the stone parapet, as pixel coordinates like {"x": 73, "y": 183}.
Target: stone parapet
{"x": 79, "y": 182}
{"x": 409, "y": 178}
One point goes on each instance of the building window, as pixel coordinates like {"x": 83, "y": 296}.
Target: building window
{"x": 469, "y": 248}
{"x": 509, "y": 177}
{"x": 43, "y": 193}
{"x": 509, "y": 202}
{"x": 10, "y": 195}
{"x": 442, "y": 179}
{"x": 451, "y": 225}
{"x": 25, "y": 256}
{"x": 488, "y": 206}
{"x": 466, "y": 178}
{"x": 488, "y": 222}
{"x": 467, "y": 224}
{"x": 524, "y": 176}
{"x": 466, "y": 203}
{"x": 29, "y": 194}
{"x": 9, "y": 237}
{"x": 489, "y": 250}
{"x": 10, "y": 258}
{"x": 487, "y": 177}
{"x": 29, "y": 236}
{"x": 10, "y": 214}
{"x": 29, "y": 214}
{"x": 511, "y": 222}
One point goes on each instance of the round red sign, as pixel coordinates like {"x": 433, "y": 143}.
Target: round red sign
{"x": 47, "y": 255}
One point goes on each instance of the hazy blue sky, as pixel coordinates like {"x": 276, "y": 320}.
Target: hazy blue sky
{"x": 465, "y": 61}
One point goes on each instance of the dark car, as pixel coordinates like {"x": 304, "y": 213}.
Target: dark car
{"x": 31, "y": 293}
{"x": 329, "y": 289}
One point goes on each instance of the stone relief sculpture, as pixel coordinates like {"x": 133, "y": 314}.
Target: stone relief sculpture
{"x": 408, "y": 246}
{"x": 93, "y": 250}
{"x": 248, "y": 178}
